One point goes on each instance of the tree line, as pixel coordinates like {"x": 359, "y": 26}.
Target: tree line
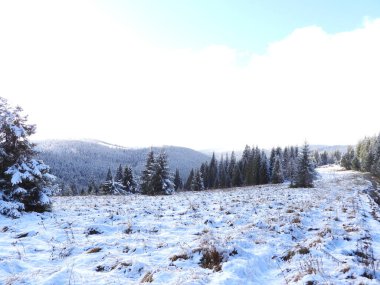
{"x": 25, "y": 182}
{"x": 365, "y": 156}
{"x": 255, "y": 168}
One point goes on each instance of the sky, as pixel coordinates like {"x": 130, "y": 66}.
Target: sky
{"x": 204, "y": 74}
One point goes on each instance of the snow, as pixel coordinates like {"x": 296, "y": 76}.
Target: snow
{"x": 28, "y": 171}
{"x": 265, "y": 235}
{"x": 18, "y": 131}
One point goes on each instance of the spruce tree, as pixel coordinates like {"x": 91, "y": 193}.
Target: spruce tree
{"x": 305, "y": 169}
{"x": 162, "y": 171}
{"x": 317, "y": 158}
{"x": 244, "y": 163}
{"x": 189, "y": 180}
{"x": 205, "y": 172}
{"x": 74, "y": 190}
{"x": 147, "y": 174}
{"x": 90, "y": 189}
{"x": 25, "y": 183}
{"x": 106, "y": 186}
{"x": 112, "y": 187}
{"x": 231, "y": 168}
{"x": 249, "y": 174}
{"x": 128, "y": 180}
{"x": 347, "y": 158}
{"x": 277, "y": 172}
{"x": 236, "y": 176}
{"x": 264, "y": 169}
{"x": 285, "y": 162}
{"x": 375, "y": 169}
{"x": 222, "y": 179}
{"x": 119, "y": 174}
{"x": 156, "y": 178}
{"x": 177, "y": 180}
{"x": 197, "y": 182}
{"x": 256, "y": 166}
{"x": 324, "y": 159}
{"x": 292, "y": 170}
{"x": 355, "y": 163}
{"x": 272, "y": 158}
{"x": 213, "y": 172}
{"x": 227, "y": 178}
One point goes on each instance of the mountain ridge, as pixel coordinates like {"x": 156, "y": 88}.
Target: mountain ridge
{"x": 81, "y": 161}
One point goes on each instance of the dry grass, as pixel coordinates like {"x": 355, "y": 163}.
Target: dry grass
{"x": 345, "y": 269}
{"x": 296, "y": 220}
{"x": 303, "y": 250}
{"x": 94, "y": 250}
{"x": 148, "y": 278}
{"x": 288, "y": 256}
{"x": 180, "y": 256}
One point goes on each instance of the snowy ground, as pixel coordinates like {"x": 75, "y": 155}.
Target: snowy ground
{"x": 254, "y": 235}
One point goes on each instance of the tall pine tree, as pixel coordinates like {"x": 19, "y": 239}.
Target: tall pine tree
{"x": 189, "y": 180}
{"x": 147, "y": 174}
{"x": 305, "y": 169}
{"x": 128, "y": 180}
{"x": 277, "y": 172}
{"x": 119, "y": 174}
{"x": 177, "y": 180}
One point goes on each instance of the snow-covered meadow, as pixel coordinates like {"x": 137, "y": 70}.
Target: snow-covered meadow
{"x": 271, "y": 234}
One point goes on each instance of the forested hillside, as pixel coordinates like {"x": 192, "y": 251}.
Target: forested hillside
{"x": 365, "y": 156}
{"x": 81, "y": 162}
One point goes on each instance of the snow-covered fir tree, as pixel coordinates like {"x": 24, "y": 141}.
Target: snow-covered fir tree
{"x": 213, "y": 172}
{"x": 147, "y": 174}
{"x": 111, "y": 186}
{"x": 177, "y": 180}
{"x": 156, "y": 178}
{"x": 347, "y": 158}
{"x": 305, "y": 169}
{"x": 106, "y": 186}
{"x": 187, "y": 185}
{"x": 163, "y": 172}
{"x": 277, "y": 172}
{"x": 119, "y": 174}
{"x": 129, "y": 180}
{"x": 256, "y": 166}
{"x": 205, "y": 171}
{"x": 25, "y": 183}
{"x": 272, "y": 159}
{"x": 197, "y": 182}
{"x": 236, "y": 176}
{"x": 264, "y": 169}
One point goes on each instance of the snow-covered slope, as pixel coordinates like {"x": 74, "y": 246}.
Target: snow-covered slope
{"x": 79, "y": 162}
{"x": 254, "y": 235}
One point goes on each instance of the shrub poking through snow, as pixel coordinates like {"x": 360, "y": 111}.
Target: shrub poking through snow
{"x": 25, "y": 183}
{"x": 211, "y": 259}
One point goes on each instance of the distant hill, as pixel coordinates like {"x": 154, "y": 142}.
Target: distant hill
{"x": 329, "y": 148}
{"x": 78, "y": 162}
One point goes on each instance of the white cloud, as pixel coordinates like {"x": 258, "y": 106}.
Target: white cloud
{"x": 79, "y": 73}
